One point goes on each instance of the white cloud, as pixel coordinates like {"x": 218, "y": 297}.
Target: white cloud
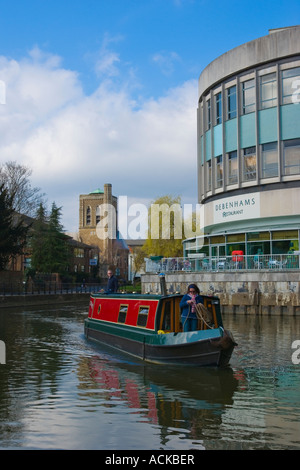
{"x": 166, "y": 61}
{"x": 76, "y": 143}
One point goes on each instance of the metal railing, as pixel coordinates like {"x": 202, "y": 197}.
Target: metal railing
{"x": 284, "y": 262}
{"x": 39, "y": 288}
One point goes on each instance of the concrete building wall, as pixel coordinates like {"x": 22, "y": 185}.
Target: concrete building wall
{"x": 247, "y": 293}
{"x": 249, "y": 140}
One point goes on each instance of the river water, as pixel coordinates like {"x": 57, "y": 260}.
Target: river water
{"x": 60, "y": 391}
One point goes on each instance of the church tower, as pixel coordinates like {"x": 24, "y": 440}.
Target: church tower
{"x": 113, "y": 252}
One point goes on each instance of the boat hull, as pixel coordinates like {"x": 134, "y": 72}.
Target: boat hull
{"x": 199, "y": 348}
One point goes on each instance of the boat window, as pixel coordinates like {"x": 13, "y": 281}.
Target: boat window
{"x": 143, "y": 315}
{"x": 122, "y": 313}
{"x": 99, "y": 308}
{"x": 166, "y": 321}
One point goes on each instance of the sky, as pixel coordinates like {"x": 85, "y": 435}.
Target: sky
{"x": 105, "y": 91}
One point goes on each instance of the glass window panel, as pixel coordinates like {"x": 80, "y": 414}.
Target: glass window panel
{"x": 269, "y": 156}
{"x": 248, "y": 96}
{"x": 249, "y": 164}
{"x": 208, "y": 114}
{"x": 209, "y": 175}
{"x": 143, "y": 316}
{"x": 258, "y": 236}
{"x": 268, "y": 90}
{"x": 284, "y": 235}
{"x": 237, "y": 237}
{"x": 217, "y": 239}
{"x": 122, "y": 313}
{"x": 291, "y": 157}
{"x": 290, "y": 78}
{"x": 258, "y": 248}
{"x": 88, "y": 216}
{"x": 218, "y": 99}
{"x": 231, "y": 102}
{"x": 219, "y": 171}
{"x": 232, "y": 168}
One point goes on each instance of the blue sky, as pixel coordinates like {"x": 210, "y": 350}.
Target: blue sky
{"x": 105, "y": 91}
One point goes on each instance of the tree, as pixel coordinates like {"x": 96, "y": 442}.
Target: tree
{"x": 38, "y": 240}
{"x": 50, "y": 249}
{"x": 165, "y": 233}
{"x": 138, "y": 259}
{"x": 25, "y": 198}
{"x": 13, "y": 232}
{"x": 58, "y": 250}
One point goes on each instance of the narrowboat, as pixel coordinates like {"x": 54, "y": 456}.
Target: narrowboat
{"x": 149, "y": 327}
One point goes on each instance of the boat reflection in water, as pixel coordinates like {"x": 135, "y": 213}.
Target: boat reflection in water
{"x": 185, "y": 400}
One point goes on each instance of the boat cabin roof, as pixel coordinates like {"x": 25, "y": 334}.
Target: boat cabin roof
{"x": 150, "y": 311}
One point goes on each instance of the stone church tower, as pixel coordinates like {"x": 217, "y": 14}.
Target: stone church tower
{"x": 113, "y": 252}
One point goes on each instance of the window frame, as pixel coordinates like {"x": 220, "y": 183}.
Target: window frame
{"x": 122, "y": 312}
{"x": 247, "y": 156}
{"x": 248, "y": 108}
{"x": 267, "y": 83}
{"x": 142, "y": 316}
{"x": 231, "y": 99}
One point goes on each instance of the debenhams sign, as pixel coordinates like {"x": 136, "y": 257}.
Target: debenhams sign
{"x": 236, "y": 208}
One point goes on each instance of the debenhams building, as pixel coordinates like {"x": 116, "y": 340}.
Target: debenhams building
{"x": 249, "y": 148}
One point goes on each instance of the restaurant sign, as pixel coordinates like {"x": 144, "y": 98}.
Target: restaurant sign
{"x": 236, "y": 208}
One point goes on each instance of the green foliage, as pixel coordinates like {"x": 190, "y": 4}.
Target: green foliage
{"x": 50, "y": 249}
{"x": 12, "y": 230}
{"x": 165, "y": 233}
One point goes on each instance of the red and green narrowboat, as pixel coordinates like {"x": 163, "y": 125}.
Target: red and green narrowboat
{"x": 149, "y": 327}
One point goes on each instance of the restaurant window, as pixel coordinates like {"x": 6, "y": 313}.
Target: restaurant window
{"x": 232, "y": 168}
{"x": 248, "y": 96}
{"x": 231, "y": 102}
{"x": 122, "y": 313}
{"x": 208, "y": 168}
{"x": 291, "y": 157}
{"x": 236, "y": 237}
{"x": 290, "y": 85}
{"x": 284, "y": 234}
{"x": 219, "y": 171}
{"x": 218, "y": 107}
{"x": 208, "y": 114}
{"x": 268, "y": 91}
{"x": 143, "y": 316}
{"x": 255, "y": 236}
{"x": 269, "y": 160}
{"x": 249, "y": 164}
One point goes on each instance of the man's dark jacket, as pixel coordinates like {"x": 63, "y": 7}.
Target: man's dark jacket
{"x": 112, "y": 284}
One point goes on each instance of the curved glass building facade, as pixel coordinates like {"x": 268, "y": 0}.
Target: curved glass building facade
{"x": 249, "y": 148}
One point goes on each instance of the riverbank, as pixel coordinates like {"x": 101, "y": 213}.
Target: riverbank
{"x": 240, "y": 292}
{"x": 30, "y": 300}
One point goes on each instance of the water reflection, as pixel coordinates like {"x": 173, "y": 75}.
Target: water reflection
{"x": 58, "y": 390}
{"x": 182, "y": 399}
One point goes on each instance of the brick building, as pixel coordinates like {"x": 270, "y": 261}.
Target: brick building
{"x": 113, "y": 250}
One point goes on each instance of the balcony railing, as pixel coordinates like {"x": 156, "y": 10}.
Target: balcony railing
{"x": 285, "y": 262}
